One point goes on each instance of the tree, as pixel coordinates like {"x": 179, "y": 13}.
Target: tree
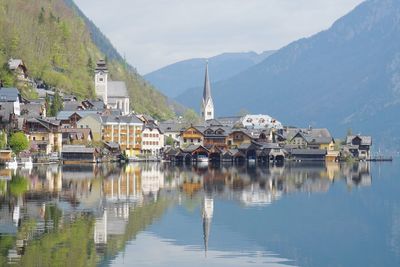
{"x": 169, "y": 141}
{"x": 56, "y": 105}
{"x": 3, "y": 140}
{"x": 190, "y": 116}
{"x": 18, "y": 142}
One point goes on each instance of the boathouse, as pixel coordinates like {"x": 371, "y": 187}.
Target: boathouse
{"x": 78, "y": 154}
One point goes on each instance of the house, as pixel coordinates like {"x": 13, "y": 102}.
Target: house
{"x": 76, "y": 136}
{"x": 5, "y": 155}
{"x": 299, "y": 154}
{"x": 238, "y": 137}
{"x": 18, "y": 67}
{"x": 216, "y": 136}
{"x": 44, "y": 134}
{"x": 10, "y": 107}
{"x": 172, "y": 131}
{"x": 70, "y": 118}
{"x": 193, "y": 152}
{"x": 313, "y": 139}
{"x": 192, "y": 136}
{"x": 260, "y": 122}
{"x": 93, "y": 122}
{"x": 78, "y": 154}
{"x": 124, "y": 130}
{"x": 359, "y": 146}
{"x": 152, "y": 139}
{"x": 32, "y": 109}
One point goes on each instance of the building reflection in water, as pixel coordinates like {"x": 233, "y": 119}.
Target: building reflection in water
{"x": 110, "y": 194}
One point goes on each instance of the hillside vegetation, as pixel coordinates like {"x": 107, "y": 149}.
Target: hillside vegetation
{"x": 61, "y": 46}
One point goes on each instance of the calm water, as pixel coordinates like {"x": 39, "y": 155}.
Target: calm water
{"x": 165, "y": 215}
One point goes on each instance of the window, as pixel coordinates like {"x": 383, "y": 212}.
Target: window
{"x": 34, "y": 138}
{"x": 209, "y": 113}
{"x": 101, "y": 79}
{"x": 43, "y": 138}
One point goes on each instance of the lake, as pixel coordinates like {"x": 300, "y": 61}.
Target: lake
{"x": 303, "y": 214}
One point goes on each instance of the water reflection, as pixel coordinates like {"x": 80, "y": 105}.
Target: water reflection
{"x": 97, "y": 211}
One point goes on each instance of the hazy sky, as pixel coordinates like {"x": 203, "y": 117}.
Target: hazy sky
{"x": 155, "y": 33}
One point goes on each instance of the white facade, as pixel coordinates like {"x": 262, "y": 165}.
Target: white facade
{"x": 208, "y": 110}
{"x": 260, "y": 122}
{"x": 152, "y": 141}
{"x": 100, "y": 82}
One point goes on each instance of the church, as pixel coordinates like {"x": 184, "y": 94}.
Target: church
{"x": 113, "y": 93}
{"x": 207, "y": 105}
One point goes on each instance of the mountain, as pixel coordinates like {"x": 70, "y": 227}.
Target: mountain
{"x": 345, "y": 77}
{"x": 174, "y": 79}
{"x": 60, "y": 45}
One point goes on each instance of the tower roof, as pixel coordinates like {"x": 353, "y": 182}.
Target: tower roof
{"x": 101, "y": 65}
{"x": 207, "y": 87}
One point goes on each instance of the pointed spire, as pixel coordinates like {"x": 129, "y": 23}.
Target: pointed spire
{"x": 207, "y": 86}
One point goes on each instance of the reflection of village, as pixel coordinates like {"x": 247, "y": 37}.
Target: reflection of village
{"x": 111, "y": 193}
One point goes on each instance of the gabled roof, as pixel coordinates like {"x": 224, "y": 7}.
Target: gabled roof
{"x": 314, "y": 136}
{"x": 9, "y": 95}
{"x": 365, "y": 140}
{"x": 31, "y": 110}
{"x": 192, "y": 148}
{"x": 171, "y": 126}
{"x": 117, "y": 89}
{"x": 77, "y": 149}
{"x": 65, "y": 114}
{"x": 130, "y": 119}
{"x": 13, "y": 64}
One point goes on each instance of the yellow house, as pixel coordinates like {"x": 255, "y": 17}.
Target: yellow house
{"x": 124, "y": 130}
{"x": 45, "y": 134}
{"x": 191, "y": 136}
{"x": 94, "y": 122}
{"x": 238, "y": 137}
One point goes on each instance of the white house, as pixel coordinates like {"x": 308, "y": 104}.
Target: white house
{"x": 260, "y": 122}
{"x": 152, "y": 140}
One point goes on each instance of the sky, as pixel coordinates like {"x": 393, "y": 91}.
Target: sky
{"x": 154, "y": 33}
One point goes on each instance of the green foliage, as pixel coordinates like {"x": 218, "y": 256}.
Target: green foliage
{"x": 170, "y": 141}
{"x": 191, "y": 117}
{"x": 71, "y": 245}
{"x": 18, "y": 185}
{"x": 18, "y": 142}
{"x": 61, "y": 46}
{"x": 56, "y": 105}
{"x": 3, "y": 140}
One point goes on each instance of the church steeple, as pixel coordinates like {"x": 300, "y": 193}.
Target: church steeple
{"x": 207, "y": 105}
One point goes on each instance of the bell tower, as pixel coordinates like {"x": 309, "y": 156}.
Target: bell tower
{"x": 101, "y": 80}
{"x": 207, "y": 105}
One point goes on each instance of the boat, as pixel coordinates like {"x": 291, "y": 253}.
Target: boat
{"x": 54, "y": 157}
{"x": 201, "y": 158}
{"x": 27, "y": 163}
{"x": 13, "y": 164}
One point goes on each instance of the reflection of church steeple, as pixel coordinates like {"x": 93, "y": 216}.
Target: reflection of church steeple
{"x": 208, "y": 210}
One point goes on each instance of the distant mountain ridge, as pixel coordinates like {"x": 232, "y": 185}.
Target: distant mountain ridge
{"x": 174, "y": 79}
{"x": 345, "y": 77}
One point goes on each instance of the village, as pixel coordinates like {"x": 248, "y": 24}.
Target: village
{"x": 107, "y": 129}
